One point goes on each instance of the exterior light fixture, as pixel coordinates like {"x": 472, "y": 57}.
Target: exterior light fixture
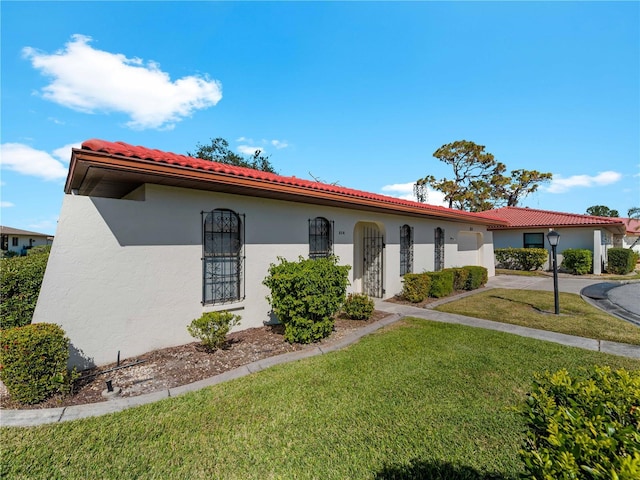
{"x": 553, "y": 238}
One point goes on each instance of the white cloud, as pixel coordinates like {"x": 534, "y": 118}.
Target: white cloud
{"x": 64, "y": 153}
{"x": 248, "y": 150}
{"x": 279, "y": 144}
{"x": 6, "y": 205}
{"x": 405, "y": 191}
{"x": 90, "y": 80}
{"x": 561, "y": 185}
{"x": 26, "y": 160}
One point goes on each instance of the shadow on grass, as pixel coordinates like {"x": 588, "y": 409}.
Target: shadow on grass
{"x": 531, "y": 305}
{"x": 432, "y": 470}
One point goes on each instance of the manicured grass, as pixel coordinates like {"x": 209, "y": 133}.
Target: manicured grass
{"x": 522, "y": 273}
{"x": 419, "y": 400}
{"x": 535, "y": 309}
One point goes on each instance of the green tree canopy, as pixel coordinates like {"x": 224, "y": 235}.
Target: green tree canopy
{"x": 219, "y": 151}
{"x": 634, "y": 212}
{"x": 602, "y": 211}
{"x": 479, "y": 182}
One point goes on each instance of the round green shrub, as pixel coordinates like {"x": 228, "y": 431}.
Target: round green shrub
{"x": 212, "y": 328}
{"x": 415, "y": 287}
{"x": 577, "y": 261}
{"x": 305, "y": 295}
{"x": 358, "y": 306}
{"x": 33, "y": 362}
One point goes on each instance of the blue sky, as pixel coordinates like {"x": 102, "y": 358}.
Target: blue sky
{"x": 356, "y": 93}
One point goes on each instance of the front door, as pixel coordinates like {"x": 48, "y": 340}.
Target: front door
{"x": 372, "y": 274}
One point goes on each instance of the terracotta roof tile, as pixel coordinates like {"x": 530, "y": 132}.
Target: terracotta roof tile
{"x": 158, "y": 156}
{"x": 519, "y": 217}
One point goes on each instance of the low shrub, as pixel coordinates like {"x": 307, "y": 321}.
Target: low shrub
{"x": 460, "y": 277}
{"x": 583, "y": 426}
{"x": 358, "y": 306}
{"x": 621, "y": 260}
{"x": 521, "y": 258}
{"x": 478, "y": 277}
{"x": 33, "y": 362}
{"x": 415, "y": 287}
{"x": 212, "y": 328}
{"x": 577, "y": 261}
{"x": 441, "y": 283}
{"x": 305, "y": 295}
{"x": 20, "y": 287}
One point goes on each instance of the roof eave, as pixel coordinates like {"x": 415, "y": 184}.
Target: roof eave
{"x": 87, "y": 168}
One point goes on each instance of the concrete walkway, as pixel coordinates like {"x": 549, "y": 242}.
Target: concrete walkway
{"x": 23, "y": 418}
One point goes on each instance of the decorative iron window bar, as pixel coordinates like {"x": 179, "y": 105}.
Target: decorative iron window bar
{"x": 222, "y": 256}
{"x": 439, "y": 249}
{"x": 406, "y": 249}
{"x": 320, "y": 238}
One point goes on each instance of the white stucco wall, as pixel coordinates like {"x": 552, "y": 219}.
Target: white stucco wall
{"x": 126, "y": 275}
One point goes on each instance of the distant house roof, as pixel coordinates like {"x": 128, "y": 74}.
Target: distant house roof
{"x": 518, "y": 217}
{"x": 16, "y": 231}
{"x": 633, "y": 225}
{"x": 114, "y": 169}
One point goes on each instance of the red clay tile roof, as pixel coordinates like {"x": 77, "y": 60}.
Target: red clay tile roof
{"x": 518, "y": 217}
{"x": 633, "y": 225}
{"x": 349, "y": 195}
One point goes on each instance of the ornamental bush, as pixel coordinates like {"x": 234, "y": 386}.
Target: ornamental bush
{"x": 521, "y": 258}
{"x": 20, "y": 287}
{"x": 415, "y": 287}
{"x": 584, "y": 426}
{"x": 460, "y": 277}
{"x": 577, "y": 261}
{"x": 477, "y": 277}
{"x": 621, "y": 260}
{"x": 33, "y": 362}
{"x": 212, "y": 328}
{"x": 441, "y": 283}
{"x": 358, "y": 306}
{"x": 305, "y": 295}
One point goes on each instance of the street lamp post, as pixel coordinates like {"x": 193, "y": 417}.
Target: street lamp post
{"x": 554, "y": 237}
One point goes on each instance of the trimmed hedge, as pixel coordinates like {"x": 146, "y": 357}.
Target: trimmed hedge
{"x": 20, "y": 287}
{"x": 441, "y": 283}
{"x": 416, "y": 287}
{"x": 621, "y": 260}
{"x": 305, "y": 295}
{"x": 33, "y": 362}
{"x": 478, "y": 277}
{"x": 521, "y": 258}
{"x": 577, "y": 261}
{"x": 583, "y": 426}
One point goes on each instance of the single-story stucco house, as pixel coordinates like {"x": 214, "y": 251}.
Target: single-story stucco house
{"x": 149, "y": 240}
{"x": 632, "y": 237}
{"x": 528, "y": 227}
{"x": 20, "y": 241}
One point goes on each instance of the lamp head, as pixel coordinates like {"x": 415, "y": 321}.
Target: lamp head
{"x": 553, "y": 237}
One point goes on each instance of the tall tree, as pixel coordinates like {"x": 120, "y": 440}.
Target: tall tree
{"x": 479, "y": 181}
{"x": 602, "y": 211}
{"x": 634, "y": 212}
{"x": 219, "y": 151}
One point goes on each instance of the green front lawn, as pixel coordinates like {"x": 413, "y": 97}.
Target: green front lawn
{"x": 417, "y": 400}
{"x": 532, "y": 308}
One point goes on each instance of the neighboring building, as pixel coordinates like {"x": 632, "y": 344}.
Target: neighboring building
{"x": 632, "y": 236}
{"x": 527, "y": 227}
{"x": 19, "y": 241}
{"x": 148, "y": 240}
